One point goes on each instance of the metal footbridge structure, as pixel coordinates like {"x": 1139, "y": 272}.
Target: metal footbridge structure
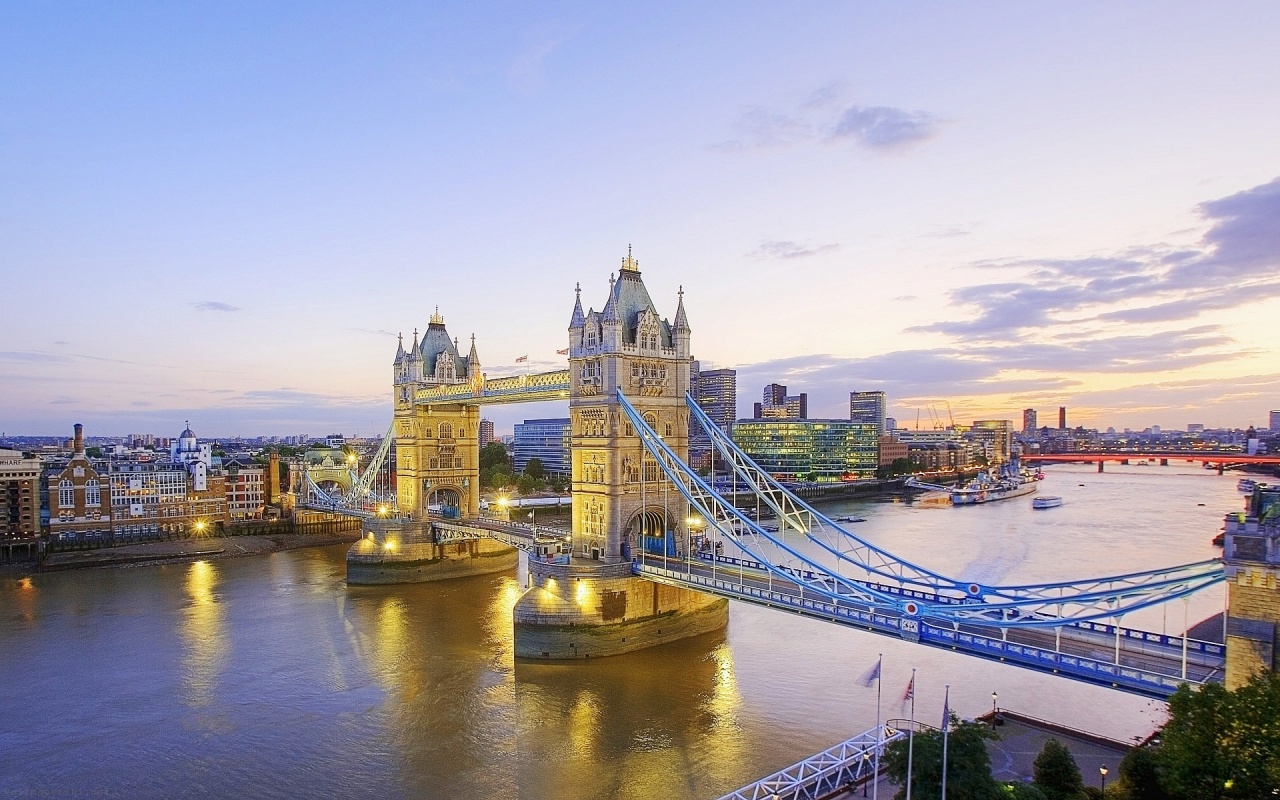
{"x": 811, "y": 565}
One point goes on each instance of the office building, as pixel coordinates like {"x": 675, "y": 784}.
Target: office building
{"x": 1275, "y": 422}
{"x": 1062, "y": 418}
{"x": 775, "y": 396}
{"x": 818, "y": 449}
{"x": 547, "y": 440}
{"x": 486, "y": 432}
{"x": 868, "y": 407}
{"x": 19, "y": 495}
{"x": 779, "y": 405}
{"x": 1029, "y": 421}
{"x": 716, "y": 392}
{"x": 994, "y": 437}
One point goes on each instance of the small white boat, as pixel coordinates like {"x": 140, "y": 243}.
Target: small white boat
{"x": 1246, "y": 485}
{"x": 1048, "y": 501}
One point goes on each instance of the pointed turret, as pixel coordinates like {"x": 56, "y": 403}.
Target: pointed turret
{"x": 473, "y": 360}
{"x": 578, "y": 320}
{"x": 400, "y": 356}
{"x": 610, "y": 313}
{"x": 414, "y": 359}
{"x": 682, "y": 322}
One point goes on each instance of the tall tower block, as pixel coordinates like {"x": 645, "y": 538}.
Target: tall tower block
{"x": 593, "y": 606}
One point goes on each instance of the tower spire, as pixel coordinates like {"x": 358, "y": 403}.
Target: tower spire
{"x": 578, "y": 320}
{"x": 682, "y": 322}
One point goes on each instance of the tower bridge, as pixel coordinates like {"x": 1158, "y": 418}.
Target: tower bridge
{"x": 654, "y": 553}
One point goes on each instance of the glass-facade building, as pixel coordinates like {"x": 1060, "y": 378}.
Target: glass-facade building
{"x": 547, "y": 440}
{"x": 811, "y": 449}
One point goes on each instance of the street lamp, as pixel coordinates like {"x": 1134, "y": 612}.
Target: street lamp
{"x": 1102, "y": 770}
{"x": 993, "y": 709}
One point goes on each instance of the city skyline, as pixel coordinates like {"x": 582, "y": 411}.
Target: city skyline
{"x": 228, "y": 217}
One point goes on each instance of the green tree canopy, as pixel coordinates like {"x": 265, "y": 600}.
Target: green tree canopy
{"x": 1138, "y": 777}
{"x": 535, "y": 470}
{"x": 1220, "y": 744}
{"x": 1056, "y": 772}
{"x": 494, "y": 454}
{"x": 968, "y": 764}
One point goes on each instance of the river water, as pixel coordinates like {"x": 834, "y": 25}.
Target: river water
{"x": 269, "y": 677}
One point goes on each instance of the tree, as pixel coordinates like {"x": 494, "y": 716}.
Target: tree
{"x": 526, "y": 484}
{"x": 1138, "y": 776}
{"x": 1191, "y": 751}
{"x": 494, "y": 454}
{"x": 93, "y": 452}
{"x": 1220, "y": 744}
{"x": 1023, "y": 791}
{"x": 534, "y": 469}
{"x": 1056, "y": 772}
{"x": 968, "y": 764}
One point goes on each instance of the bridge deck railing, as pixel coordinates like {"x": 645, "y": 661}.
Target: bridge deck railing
{"x": 1145, "y": 682}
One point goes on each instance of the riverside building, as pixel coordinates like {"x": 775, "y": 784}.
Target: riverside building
{"x": 811, "y": 449}
{"x": 19, "y": 495}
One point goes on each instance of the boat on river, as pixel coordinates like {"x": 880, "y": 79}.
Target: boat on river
{"x": 1011, "y": 481}
{"x": 1246, "y": 485}
{"x": 1047, "y": 501}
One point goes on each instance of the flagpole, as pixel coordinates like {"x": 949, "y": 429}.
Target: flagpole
{"x": 946, "y": 725}
{"x": 875, "y": 777}
{"x": 911, "y": 733}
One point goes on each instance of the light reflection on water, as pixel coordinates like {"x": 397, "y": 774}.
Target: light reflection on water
{"x": 270, "y": 677}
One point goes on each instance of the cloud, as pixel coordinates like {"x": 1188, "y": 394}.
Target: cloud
{"x": 788, "y": 249}
{"x": 1237, "y": 262}
{"x": 905, "y": 298}
{"x": 214, "y": 305}
{"x": 1046, "y": 369}
{"x": 33, "y": 357}
{"x": 884, "y": 126}
{"x": 824, "y": 116}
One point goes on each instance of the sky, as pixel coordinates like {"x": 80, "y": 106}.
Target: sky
{"x": 226, "y": 212}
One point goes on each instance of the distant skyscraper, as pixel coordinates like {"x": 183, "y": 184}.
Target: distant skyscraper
{"x": 486, "y": 431}
{"x": 1275, "y": 421}
{"x": 1029, "y": 421}
{"x": 1062, "y": 418}
{"x": 779, "y": 405}
{"x": 869, "y": 408}
{"x": 717, "y": 394}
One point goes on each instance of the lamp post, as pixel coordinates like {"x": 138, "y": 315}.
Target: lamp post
{"x": 993, "y": 709}
{"x": 1102, "y": 770}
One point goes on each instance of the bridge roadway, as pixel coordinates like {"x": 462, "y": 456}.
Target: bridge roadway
{"x": 1142, "y": 662}
{"x": 1149, "y": 664}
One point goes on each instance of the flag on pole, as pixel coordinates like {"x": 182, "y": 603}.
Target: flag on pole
{"x": 522, "y": 358}
{"x": 871, "y": 676}
{"x": 946, "y": 709}
{"x": 910, "y": 693}
{"x": 563, "y": 352}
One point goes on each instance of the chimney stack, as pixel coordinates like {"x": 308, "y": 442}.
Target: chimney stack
{"x": 79, "y": 440}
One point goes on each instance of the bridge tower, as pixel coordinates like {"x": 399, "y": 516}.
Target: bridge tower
{"x": 1252, "y": 558}
{"x": 618, "y": 495}
{"x": 594, "y": 606}
{"x": 437, "y": 447}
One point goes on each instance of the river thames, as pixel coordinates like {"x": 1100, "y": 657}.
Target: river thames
{"x": 270, "y": 677}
